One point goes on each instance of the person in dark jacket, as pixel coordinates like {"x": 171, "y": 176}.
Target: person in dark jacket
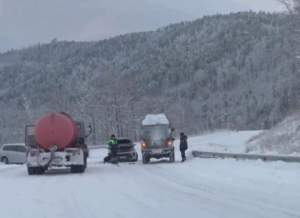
{"x": 113, "y": 143}
{"x": 183, "y": 146}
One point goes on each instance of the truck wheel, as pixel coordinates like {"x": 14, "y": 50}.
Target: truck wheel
{"x": 73, "y": 169}
{"x": 172, "y": 157}
{"x": 4, "y": 160}
{"x": 78, "y": 169}
{"x": 39, "y": 170}
{"x": 30, "y": 170}
{"x": 81, "y": 168}
{"x": 85, "y": 162}
{"x": 144, "y": 158}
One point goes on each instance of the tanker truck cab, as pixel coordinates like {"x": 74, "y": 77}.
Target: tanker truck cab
{"x": 156, "y": 138}
{"x": 46, "y": 151}
{"x": 82, "y": 136}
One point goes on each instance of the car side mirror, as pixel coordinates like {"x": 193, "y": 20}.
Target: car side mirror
{"x": 90, "y": 130}
{"x": 173, "y": 129}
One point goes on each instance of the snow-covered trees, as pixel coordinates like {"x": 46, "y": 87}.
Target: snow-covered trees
{"x": 195, "y": 72}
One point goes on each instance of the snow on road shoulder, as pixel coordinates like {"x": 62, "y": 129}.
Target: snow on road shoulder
{"x": 222, "y": 141}
{"x": 283, "y": 139}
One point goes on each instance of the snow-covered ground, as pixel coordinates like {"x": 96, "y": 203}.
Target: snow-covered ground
{"x": 222, "y": 141}
{"x": 283, "y": 139}
{"x": 205, "y": 188}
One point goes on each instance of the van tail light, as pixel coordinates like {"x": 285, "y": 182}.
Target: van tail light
{"x": 144, "y": 144}
{"x": 170, "y": 143}
{"x": 33, "y": 153}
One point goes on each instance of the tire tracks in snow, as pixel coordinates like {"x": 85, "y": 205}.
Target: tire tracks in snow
{"x": 261, "y": 205}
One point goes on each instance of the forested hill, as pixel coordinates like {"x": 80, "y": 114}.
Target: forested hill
{"x": 203, "y": 74}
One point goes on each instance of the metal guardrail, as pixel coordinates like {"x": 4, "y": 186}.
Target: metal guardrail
{"x": 205, "y": 154}
{"x": 97, "y": 146}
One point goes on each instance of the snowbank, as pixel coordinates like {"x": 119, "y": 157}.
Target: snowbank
{"x": 282, "y": 139}
{"x": 222, "y": 141}
{"x": 153, "y": 119}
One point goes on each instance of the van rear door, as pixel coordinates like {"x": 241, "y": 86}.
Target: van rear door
{"x": 21, "y": 154}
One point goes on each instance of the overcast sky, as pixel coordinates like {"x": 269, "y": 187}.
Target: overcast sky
{"x": 27, "y": 22}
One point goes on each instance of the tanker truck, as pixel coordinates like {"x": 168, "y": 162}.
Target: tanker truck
{"x": 56, "y": 140}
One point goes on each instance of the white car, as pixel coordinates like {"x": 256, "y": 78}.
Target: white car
{"x": 126, "y": 151}
{"x": 14, "y": 153}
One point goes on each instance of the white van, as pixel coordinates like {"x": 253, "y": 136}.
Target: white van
{"x": 14, "y": 153}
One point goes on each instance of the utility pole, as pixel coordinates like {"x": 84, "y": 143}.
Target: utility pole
{"x": 94, "y": 130}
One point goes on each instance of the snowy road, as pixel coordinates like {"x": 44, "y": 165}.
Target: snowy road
{"x": 206, "y": 188}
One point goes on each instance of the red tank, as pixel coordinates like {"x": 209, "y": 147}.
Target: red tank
{"x": 56, "y": 129}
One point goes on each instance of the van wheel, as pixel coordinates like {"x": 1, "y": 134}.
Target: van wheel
{"x": 30, "y": 171}
{"x": 4, "y": 160}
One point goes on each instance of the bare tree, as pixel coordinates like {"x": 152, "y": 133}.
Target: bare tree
{"x": 293, "y": 25}
{"x": 289, "y": 5}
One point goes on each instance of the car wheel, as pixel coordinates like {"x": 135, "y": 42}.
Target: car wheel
{"x": 4, "y": 160}
{"x": 30, "y": 170}
{"x": 136, "y": 157}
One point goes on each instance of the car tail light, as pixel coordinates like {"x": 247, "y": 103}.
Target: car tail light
{"x": 144, "y": 144}
{"x": 33, "y": 153}
{"x": 170, "y": 143}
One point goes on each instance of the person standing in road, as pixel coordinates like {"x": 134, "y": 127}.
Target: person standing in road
{"x": 183, "y": 146}
{"x": 113, "y": 143}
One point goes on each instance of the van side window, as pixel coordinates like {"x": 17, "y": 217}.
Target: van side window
{"x": 14, "y": 148}
{"x": 6, "y": 148}
{"x": 10, "y": 148}
{"x": 21, "y": 149}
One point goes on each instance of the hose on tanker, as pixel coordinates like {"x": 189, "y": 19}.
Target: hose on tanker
{"x": 52, "y": 149}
